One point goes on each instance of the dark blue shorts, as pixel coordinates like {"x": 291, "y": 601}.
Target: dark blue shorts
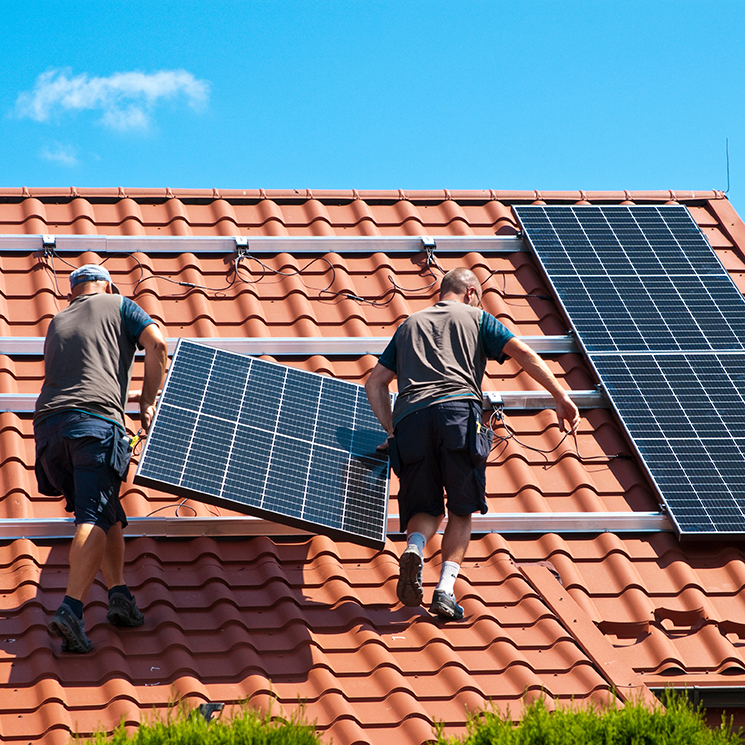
{"x": 82, "y": 457}
{"x": 440, "y": 450}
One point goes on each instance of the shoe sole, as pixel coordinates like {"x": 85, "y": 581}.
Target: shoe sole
{"x": 409, "y": 588}
{"x": 445, "y": 611}
{"x": 70, "y": 642}
{"x": 123, "y": 620}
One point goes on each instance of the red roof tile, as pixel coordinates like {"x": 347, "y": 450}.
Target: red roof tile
{"x": 280, "y": 620}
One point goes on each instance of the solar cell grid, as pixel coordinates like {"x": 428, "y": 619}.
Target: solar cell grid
{"x": 664, "y": 327}
{"x": 686, "y": 415}
{"x": 634, "y": 278}
{"x": 269, "y": 440}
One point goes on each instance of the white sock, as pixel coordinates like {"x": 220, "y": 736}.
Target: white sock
{"x": 448, "y": 575}
{"x": 418, "y": 540}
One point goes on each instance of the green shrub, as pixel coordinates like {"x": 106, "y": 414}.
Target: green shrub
{"x": 633, "y": 724}
{"x": 242, "y": 727}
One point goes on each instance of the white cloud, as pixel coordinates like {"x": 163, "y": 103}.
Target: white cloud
{"x": 125, "y": 99}
{"x": 60, "y": 154}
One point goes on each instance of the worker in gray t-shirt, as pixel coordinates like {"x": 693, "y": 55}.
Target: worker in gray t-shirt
{"x": 437, "y": 443}
{"x": 82, "y": 446}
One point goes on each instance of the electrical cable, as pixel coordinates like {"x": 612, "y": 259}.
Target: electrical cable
{"x": 498, "y": 416}
{"x": 239, "y": 270}
{"x": 510, "y": 296}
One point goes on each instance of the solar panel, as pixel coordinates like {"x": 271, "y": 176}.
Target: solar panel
{"x": 664, "y": 327}
{"x": 292, "y": 446}
{"x": 636, "y": 278}
{"x": 686, "y": 415}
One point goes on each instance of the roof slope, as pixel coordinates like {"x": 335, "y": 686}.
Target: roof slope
{"x": 281, "y": 620}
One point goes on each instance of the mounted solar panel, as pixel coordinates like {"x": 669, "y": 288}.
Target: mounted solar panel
{"x": 686, "y": 416}
{"x": 636, "y": 278}
{"x": 664, "y": 327}
{"x": 291, "y": 446}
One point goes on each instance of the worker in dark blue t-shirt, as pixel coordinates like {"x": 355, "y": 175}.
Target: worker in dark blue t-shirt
{"x": 82, "y": 447}
{"x": 437, "y": 443}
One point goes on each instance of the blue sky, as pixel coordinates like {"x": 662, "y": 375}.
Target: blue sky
{"x": 374, "y": 95}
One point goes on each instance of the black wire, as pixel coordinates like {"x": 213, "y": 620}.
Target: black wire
{"x": 499, "y": 417}
{"x": 381, "y": 301}
{"x": 430, "y": 261}
{"x": 182, "y": 503}
{"x": 510, "y": 296}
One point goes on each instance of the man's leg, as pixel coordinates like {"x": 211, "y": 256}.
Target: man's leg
{"x": 456, "y": 538}
{"x": 123, "y": 610}
{"x": 112, "y": 564}
{"x": 425, "y": 524}
{"x": 454, "y": 544}
{"x": 420, "y": 529}
{"x": 86, "y": 552}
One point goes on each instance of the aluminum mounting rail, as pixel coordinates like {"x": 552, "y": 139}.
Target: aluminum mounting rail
{"x": 194, "y": 527}
{"x": 127, "y": 244}
{"x": 326, "y": 346}
{"x": 23, "y": 403}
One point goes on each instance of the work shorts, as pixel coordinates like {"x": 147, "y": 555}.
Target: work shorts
{"x": 84, "y": 458}
{"x": 440, "y": 450}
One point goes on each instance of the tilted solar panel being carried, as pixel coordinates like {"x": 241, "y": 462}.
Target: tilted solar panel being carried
{"x": 292, "y": 446}
{"x": 664, "y": 327}
{"x": 636, "y": 277}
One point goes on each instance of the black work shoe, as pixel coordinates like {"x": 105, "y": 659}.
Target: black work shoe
{"x": 123, "y": 611}
{"x": 409, "y": 588}
{"x": 67, "y": 625}
{"x": 444, "y": 606}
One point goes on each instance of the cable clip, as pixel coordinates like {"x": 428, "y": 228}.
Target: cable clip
{"x": 430, "y": 244}
{"x": 48, "y": 244}
{"x": 241, "y": 244}
{"x": 496, "y": 401}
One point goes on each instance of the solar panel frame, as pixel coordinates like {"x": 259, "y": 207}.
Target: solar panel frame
{"x": 695, "y": 305}
{"x": 685, "y": 416}
{"x": 288, "y": 445}
{"x": 663, "y": 326}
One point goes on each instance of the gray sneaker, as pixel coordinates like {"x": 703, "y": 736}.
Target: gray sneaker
{"x": 409, "y": 588}
{"x": 72, "y": 630}
{"x": 445, "y": 607}
{"x": 123, "y": 611}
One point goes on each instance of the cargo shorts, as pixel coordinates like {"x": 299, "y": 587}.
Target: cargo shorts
{"x": 441, "y": 450}
{"x": 84, "y": 458}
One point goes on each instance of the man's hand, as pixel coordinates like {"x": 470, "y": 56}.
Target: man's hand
{"x": 146, "y": 416}
{"x": 378, "y": 394}
{"x": 568, "y": 414}
{"x": 147, "y": 411}
{"x": 384, "y": 446}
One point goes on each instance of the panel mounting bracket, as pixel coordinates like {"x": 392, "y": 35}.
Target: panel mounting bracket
{"x": 241, "y": 244}
{"x": 48, "y": 244}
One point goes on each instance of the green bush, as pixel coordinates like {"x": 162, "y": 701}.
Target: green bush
{"x": 242, "y": 727}
{"x": 633, "y": 724}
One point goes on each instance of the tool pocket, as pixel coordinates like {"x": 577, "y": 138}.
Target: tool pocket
{"x": 121, "y": 453}
{"x": 45, "y": 486}
{"x": 481, "y": 439}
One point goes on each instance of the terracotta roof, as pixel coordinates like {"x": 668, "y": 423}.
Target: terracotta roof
{"x": 280, "y": 620}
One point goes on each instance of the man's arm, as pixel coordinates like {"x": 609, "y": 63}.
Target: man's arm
{"x": 379, "y": 396}
{"x": 156, "y": 359}
{"x": 566, "y": 409}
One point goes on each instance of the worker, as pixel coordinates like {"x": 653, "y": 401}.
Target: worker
{"x": 436, "y": 440}
{"x": 82, "y": 446}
